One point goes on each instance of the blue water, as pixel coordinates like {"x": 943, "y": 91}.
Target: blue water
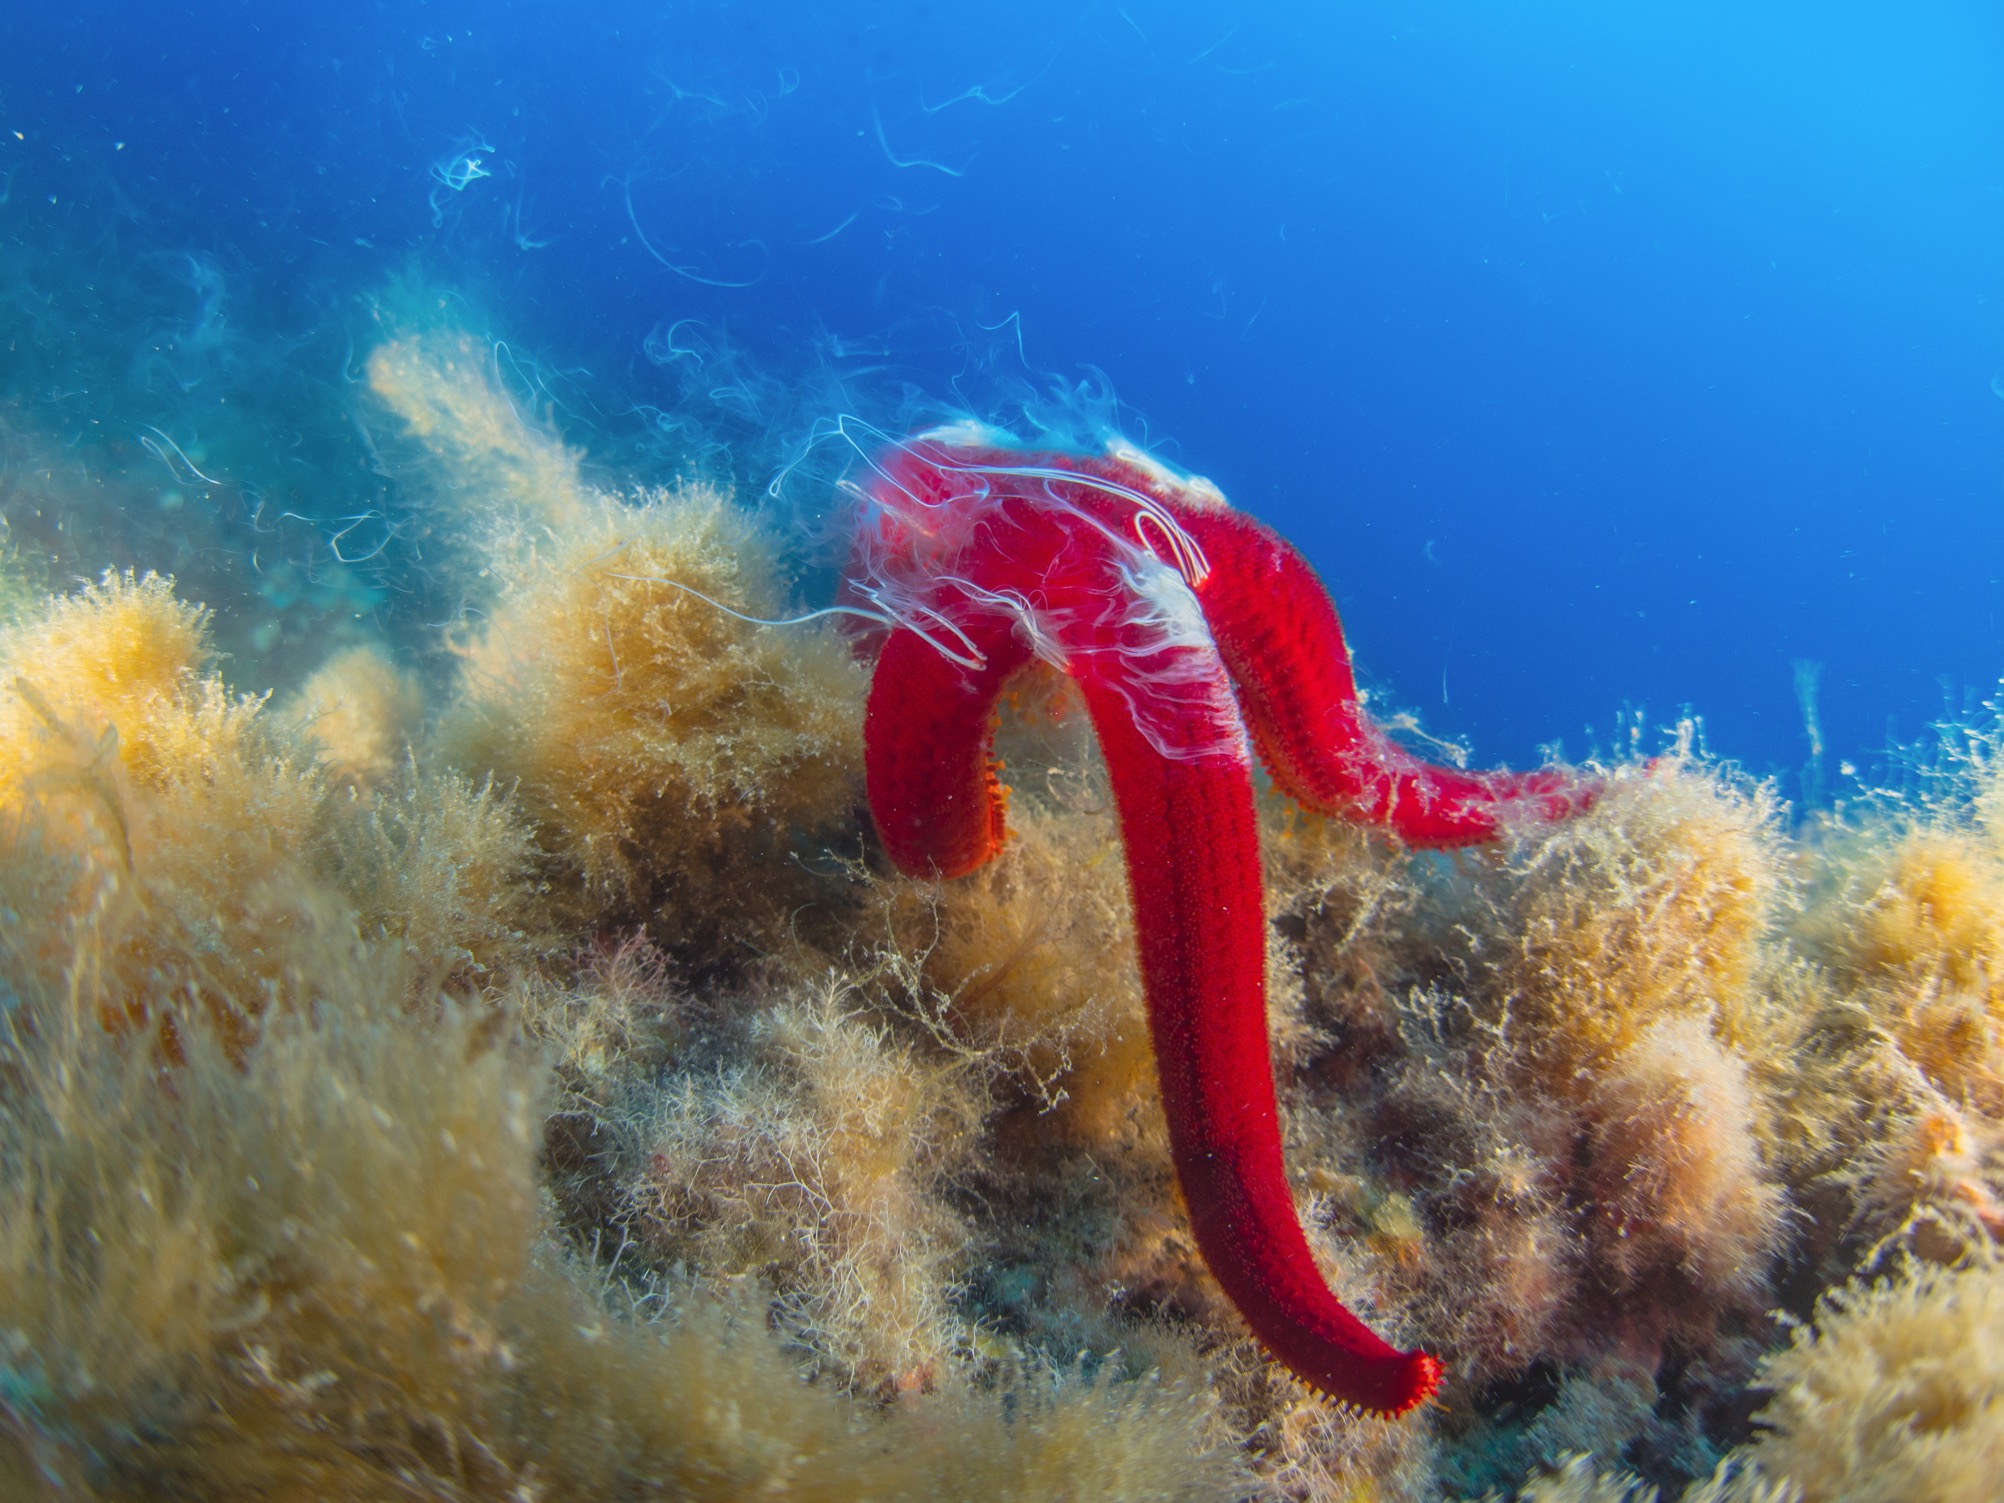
{"x": 1604, "y": 358}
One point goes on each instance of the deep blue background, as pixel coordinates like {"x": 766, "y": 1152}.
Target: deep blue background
{"x": 1598, "y": 354}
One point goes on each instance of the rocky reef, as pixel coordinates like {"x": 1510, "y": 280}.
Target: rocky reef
{"x": 509, "y": 1070}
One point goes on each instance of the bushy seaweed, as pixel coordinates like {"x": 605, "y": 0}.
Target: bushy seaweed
{"x": 503, "y": 1070}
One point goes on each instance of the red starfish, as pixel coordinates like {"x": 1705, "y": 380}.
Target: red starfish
{"x": 1157, "y": 598}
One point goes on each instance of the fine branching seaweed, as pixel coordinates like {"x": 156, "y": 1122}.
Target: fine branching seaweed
{"x": 507, "y": 1069}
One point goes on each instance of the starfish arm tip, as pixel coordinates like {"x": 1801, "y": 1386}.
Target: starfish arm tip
{"x": 1423, "y": 1372}
{"x": 1390, "y": 1389}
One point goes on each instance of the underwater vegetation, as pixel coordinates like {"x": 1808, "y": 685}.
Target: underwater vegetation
{"x": 519, "y": 1069}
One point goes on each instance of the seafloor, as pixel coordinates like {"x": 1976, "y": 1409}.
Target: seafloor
{"x": 507, "y": 1070}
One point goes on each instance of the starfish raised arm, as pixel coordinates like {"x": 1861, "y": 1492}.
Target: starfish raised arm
{"x": 927, "y": 738}
{"x": 1282, "y": 643}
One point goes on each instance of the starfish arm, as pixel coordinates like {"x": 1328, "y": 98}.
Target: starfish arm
{"x": 928, "y": 733}
{"x": 1193, "y": 867}
{"x": 1280, "y": 637}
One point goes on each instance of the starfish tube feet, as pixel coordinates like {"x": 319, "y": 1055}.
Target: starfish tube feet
{"x": 1195, "y": 635}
